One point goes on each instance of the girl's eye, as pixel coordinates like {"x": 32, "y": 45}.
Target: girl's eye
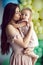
{"x": 25, "y": 14}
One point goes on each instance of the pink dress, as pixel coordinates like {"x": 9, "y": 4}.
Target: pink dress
{"x": 17, "y": 56}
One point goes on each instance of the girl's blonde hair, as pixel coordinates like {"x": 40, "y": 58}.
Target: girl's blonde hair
{"x": 27, "y": 9}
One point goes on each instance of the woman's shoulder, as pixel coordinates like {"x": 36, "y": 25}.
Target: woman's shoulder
{"x": 10, "y": 27}
{"x": 11, "y": 30}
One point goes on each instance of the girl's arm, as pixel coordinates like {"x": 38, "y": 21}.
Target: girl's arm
{"x": 11, "y": 31}
{"x": 17, "y": 25}
{"x": 28, "y": 36}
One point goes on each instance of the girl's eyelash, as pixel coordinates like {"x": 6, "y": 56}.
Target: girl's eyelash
{"x": 25, "y": 14}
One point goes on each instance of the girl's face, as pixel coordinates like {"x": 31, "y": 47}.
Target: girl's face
{"x": 25, "y": 14}
{"x": 16, "y": 16}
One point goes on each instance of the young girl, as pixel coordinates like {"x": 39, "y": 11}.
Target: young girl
{"x": 26, "y": 17}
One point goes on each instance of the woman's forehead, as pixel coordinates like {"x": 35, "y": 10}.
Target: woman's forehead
{"x": 17, "y": 9}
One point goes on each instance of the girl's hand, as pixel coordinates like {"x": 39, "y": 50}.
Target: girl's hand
{"x": 17, "y": 25}
{"x": 25, "y": 20}
{"x": 30, "y": 53}
{"x": 26, "y": 50}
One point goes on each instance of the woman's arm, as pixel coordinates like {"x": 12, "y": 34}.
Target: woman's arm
{"x": 12, "y": 32}
{"x": 26, "y": 40}
{"x": 28, "y": 36}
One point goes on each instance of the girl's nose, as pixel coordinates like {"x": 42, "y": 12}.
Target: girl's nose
{"x": 23, "y": 16}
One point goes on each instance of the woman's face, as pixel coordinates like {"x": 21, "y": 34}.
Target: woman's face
{"x": 17, "y": 14}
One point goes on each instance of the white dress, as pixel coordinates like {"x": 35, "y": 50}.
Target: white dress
{"x": 24, "y": 30}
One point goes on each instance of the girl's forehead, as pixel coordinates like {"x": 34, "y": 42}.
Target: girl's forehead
{"x": 25, "y": 11}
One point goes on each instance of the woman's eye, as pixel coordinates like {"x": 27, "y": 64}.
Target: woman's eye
{"x": 17, "y": 12}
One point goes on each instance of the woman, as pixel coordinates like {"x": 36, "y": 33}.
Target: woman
{"x": 9, "y": 35}
{"x": 26, "y": 15}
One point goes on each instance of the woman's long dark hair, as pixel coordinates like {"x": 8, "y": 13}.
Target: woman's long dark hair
{"x": 9, "y": 11}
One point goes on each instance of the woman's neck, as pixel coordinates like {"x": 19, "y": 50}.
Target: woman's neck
{"x": 14, "y": 21}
